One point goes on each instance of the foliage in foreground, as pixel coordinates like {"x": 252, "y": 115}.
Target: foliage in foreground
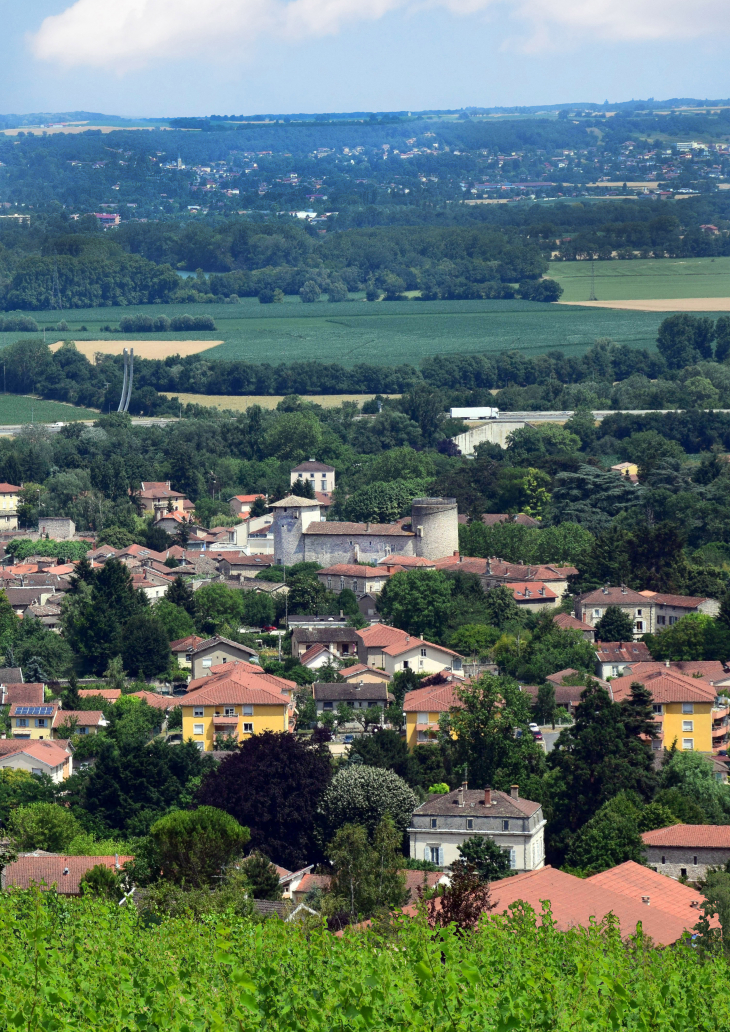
{"x": 70, "y": 965}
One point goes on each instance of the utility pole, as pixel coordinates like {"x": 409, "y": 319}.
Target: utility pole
{"x": 593, "y": 282}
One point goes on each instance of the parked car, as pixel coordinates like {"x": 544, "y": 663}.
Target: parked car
{"x": 268, "y": 630}
{"x": 537, "y": 735}
{"x": 533, "y": 726}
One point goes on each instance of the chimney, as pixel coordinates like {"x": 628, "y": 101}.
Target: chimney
{"x": 645, "y": 900}
{"x": 456, "y": 553}
{"x": 666, "y": 662}
{"x": 116, "y": 861}
{"x": 514, "y": 791}
{"x": 3, "y": 694}
{"x": 461, "y": 558}
{"x": 605, "y": 589}
{"x": 460, "y": 797}
{"x": 408, "y": 638}
{"x": 487, "y": 797}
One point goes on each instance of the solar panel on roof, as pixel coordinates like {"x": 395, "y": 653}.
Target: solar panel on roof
{"x": 34, "y": 711}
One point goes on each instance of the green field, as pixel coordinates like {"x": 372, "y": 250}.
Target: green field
{"x": 644, "y": 279}
{"x": 16, "y": 408}
{"x": 390, "y": 333}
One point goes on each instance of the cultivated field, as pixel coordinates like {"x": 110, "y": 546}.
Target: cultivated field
{"x": 650, "y": 279}
{"x": 143, "y": 347}
{"x": 679, "y": 304}
{"x": 268, "y": 401}
{"x": 15, "y": 408}
{"x": 384, "y": 333}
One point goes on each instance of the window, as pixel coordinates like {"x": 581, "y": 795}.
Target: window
{"x": 229, "y": 711}
{"x": 201, "y": 746}
{"x": 683, "y": 872}
{"x": 596, "y": 612}
{"x": 329, "y": 582}
{"x": 505, "y": 825}
{"x": 82, "y": 730}
{"x": 248, "y": 711}
{"x": 21, "y": 722}
{"x": 513, "y": 858}
{"x": 657, "y": 707}
{"x": 694, "y": 860}
{"x": 688, "y": 744}
{"x": 661, "y": 620}
{"x": 470, "y": 824}
{"x": 40, "y": 722}
{"x": 672, "y": 620}
{"x": 198, "y": 711}
{"x": 208, "y": 662}
{"x": 664, "y": 859}
{"x": 688, "y": 725}
{"x": 423, "y": 652}
{"x": 197, "y": 729}
{"x": 433, "y": 822}
{"x": 434, "y": 854}
{"x": 37, "y": 770}
{"x": 354, "y": 586}
{"x": 328, "y": 705}
{"x": 248, "y": 729}
{"x": 688, "y": 707}
{"x": 639, "y": 625}
{"x": 420, "y": 664}
{"x": 405, "y": 664}
{"x": 422, "y": 718}
{"x": 639, "y": 612}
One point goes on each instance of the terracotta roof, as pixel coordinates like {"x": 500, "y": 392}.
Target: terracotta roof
{"x": 358, "y": 529}
{"x": 65, "y": 872}
{"x": 313, "y": 881}
{"x": 361, "y": 668}
{"x": 52, "y": 752}
{"x": 399, "y": 559}
{"x": 558, "y": 677}
{"x": 9, "y": 489}
{"x": 434, "y": 699}
{"x": 490, "y": 518}
{"x": 565, "y": 695}
{"x": 223, "y": 690}
{"x": 691, "y": 836}
{"x": 638, "y": 882}
{"x": 491, "y": 567}
{"x": 183, "y": 644}
{"x": 532, "y": 591}
{"x": 313, "y": 467}
{"x": 503, "y": 805}
{"x": 51, "y": 706}
{"x": 156, "y": 700}
{"x": 613, "y": 597}
{"x": 681, "y": 601}
{"x": 634, "y": 652}
{"x": 246, "y": 498}
{"x": 687, "y": 669}
{"x": 110, "y": 694}
{"x": 575, "y": 901}
{"x": 312, "y": 652}
{"x": 352, "y": 570}
{"x": 30, "y": 694}
{"x": 409, "y": 643}
{"x": 569, "y": 623}
{"x": 665, "y": 686}
{"x": 84, "y": 718}
{"x": 369, "y": 690}
{"x": 380, "y": 635}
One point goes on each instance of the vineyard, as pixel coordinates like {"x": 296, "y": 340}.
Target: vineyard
{"x": 73, "y": 965}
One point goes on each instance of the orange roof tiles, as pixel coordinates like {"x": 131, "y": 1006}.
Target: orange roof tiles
{"x": 691, "y": 836}
{"x": 665, "y": 686}
{"x": 438, "y": 698}
{"x": 65, "y": 872}
{"x": 637, "y": 882}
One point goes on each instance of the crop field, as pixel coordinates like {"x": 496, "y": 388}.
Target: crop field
{"x": 16, "y": 408}
{"x": 644, "y": 279}
{"x": 384, "y": 333}
{"x": 143, "y": 348}
{"x": 240, "y": 403}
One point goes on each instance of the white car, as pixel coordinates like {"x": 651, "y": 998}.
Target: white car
{"x": 534, "y": 727}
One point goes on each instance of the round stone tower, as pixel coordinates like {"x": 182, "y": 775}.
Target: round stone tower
{"x": 436, "y": 526}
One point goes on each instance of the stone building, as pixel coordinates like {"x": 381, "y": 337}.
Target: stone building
{"x": 687, "y": 850}
{"x": 444, "y": 822}
{"x": 57, "y": 528}
{"x": 301, "y": 534}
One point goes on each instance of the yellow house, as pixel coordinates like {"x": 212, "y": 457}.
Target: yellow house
{"x": 423, "y": 708}
{"x": 35, "y": 722}
{"x": 682, "y": 708}
{"x": 9, "y": 499}
{"x": 236, "y": 702}
{"x": 626, "y": 469}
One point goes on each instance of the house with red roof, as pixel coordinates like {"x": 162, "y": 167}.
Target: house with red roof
{"x": 236, "y": 701}
{"x": 423, "y": 708}
{"x": 614, "y": 658}
{"x": 687, "y": 850}
{"x": 392, "y": 650}
{"x": 683, "y": 708}
{"x": 9, "y": 501}
{"x": 55, "y": 871}
{"x": 34, "y": 756}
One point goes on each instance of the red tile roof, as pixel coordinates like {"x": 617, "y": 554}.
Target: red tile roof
{"x": 65, "y": 872}
{"x": 360, "y": 668}
{"x": 398, "y": 559}
{"x": 569, "y": 623}
{"x": 312, "y": 652}
{"x": 84, "y": 718}
{"x": 157, "y": 701}
{"x": 637, "y": 882}
{"x": 352, "y": 570}
{"x": 380, "y": 635}
{"x": 533, "y": 591}
{"x": 665, "y": 686}
{"x": 183, "y": 644}
{"x": 681, "y": 601}
{"x": 438, "y": 698}
{"x": 8, "y": 489}
{"x": 691, "y": 836}
{"x": 53, "y": 753}
{"x": 634, "y": 652}
{"x": 26, "y": 694}
{"x": 110, "y": 694}
{"x": 357, "y": 529}
{"x": 710, "y": 670}
{"x": 613, "y": 597}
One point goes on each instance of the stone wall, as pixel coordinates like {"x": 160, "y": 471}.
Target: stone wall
{"x": 435, "y": 522}
{"x": 679, "y": 861}
{"x": 329, "y": 549}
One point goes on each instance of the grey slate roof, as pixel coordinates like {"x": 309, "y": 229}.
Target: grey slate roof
{"x": 503, "y": 805}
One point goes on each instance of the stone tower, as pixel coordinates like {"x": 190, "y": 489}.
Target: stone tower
{"x": 436, "y": 526}
{"x": 291, "y": 516}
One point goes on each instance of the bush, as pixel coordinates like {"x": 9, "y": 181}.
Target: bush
{"x": 192, "y": 322}
{"x": 45, "y": 826}
{"x": 195, "y": 845}
{"x": 18, "y": 323}
{"x": 364, "y": 795}
{"x": 144, "y": 324}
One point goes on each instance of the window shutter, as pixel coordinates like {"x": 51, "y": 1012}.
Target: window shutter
{"x": 426, "y": 853}
{"x": 441, "y": 856}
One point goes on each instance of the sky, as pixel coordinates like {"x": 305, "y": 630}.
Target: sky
{"x": 194, "y": 57}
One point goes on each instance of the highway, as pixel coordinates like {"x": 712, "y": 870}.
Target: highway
{"x": 53, "y": 428}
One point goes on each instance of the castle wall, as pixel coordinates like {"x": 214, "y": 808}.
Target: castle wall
{"x": 436, "y": 524}
{"x": 329, "y": 549}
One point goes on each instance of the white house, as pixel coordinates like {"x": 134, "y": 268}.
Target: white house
{"x": 444, "y": 822}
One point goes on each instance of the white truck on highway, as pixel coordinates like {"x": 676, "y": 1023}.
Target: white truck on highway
{"x": 479, "y": 412}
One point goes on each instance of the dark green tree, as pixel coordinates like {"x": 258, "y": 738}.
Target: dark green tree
{"x": 262, "y": 877}
{"x": 418, "y": 602}
{"x": 609, "y": 838}
{"x": 195, "y": 846}
{"x": 101, "y": 881}
{"x": 500, "y": 607}
{"x": 685, "y": 339}
{"x": 489, "y": 861}
{"x": 545, "y": 707}
{"x": 145, "y": 646}
{"x": 615, "y": 625}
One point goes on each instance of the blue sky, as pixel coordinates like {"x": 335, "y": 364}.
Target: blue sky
{"x": 172, "y": 57}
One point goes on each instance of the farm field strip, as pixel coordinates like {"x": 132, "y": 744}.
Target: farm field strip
{"x": 143, "y": 348}
{"x": 19, "y": 408}
{"x": 679, "y": 304}
{"x": 268, "y": 401}
{"x": 640, "y": 279}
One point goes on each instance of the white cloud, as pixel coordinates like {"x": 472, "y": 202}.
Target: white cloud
{"x": 125, "y": 34}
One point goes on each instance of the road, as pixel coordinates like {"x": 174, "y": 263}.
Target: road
{"x": 53, "y": 428}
